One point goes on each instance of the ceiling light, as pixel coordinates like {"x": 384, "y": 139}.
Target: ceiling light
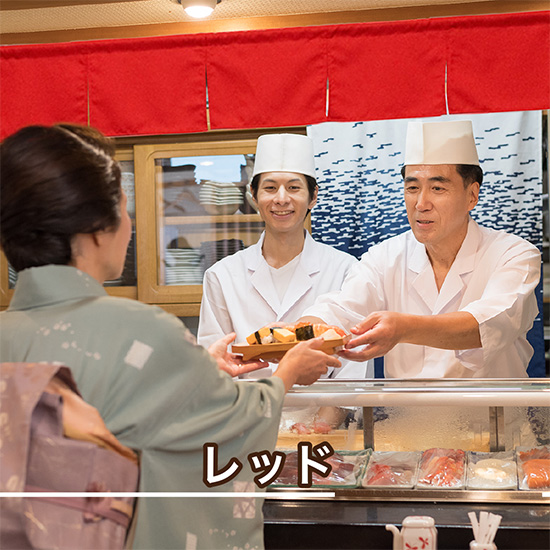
{"x": 199, "y": 8}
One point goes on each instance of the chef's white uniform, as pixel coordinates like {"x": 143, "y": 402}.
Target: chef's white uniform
{"x": 493, "y": 277}
{"x": 239, "y": 295}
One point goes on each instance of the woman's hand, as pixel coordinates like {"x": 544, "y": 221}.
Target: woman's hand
{"x": 305, "y": 363}
{"x": 231, "y": 362}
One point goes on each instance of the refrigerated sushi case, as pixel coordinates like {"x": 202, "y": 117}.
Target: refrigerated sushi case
{"x": 505, "y": 416}
{"x": 476, "y": 417}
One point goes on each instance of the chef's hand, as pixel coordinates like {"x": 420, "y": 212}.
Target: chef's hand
{"x": 305, "y": 363}
{"x": 378, "y": 333}
{"x": 231, "y": 362}
{"x": 382, "y": 330}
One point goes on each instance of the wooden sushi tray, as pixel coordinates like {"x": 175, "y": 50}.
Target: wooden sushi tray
{"x": 268, "y": 352}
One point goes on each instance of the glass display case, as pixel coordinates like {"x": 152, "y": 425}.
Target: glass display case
{"x": 386, "y": 428}
{"x": 403, "y": 427}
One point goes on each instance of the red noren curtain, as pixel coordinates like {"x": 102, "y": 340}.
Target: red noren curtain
{"x": 267, "y": 78}
{"x": 148, "y": 86}
{"x": 386, "y": 70}
{"x": 499, "y": 63}
{"x": 279, "y": 77}
{"x": 42, "y": 85}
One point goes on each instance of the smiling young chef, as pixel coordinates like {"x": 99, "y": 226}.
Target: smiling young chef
{"x": 447, "y": 298}
{"x": 286, "y": 270}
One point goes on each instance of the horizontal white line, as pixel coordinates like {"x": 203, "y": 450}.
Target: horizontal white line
{"x": 447, "y": 389}
{"x": 281, "y": 495}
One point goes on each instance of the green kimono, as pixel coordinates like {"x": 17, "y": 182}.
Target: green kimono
{"x": 159, "y": 393}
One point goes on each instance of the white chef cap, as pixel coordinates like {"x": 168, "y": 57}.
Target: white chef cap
{"x": 449, "y": 142}
{"x": 284, "y": 153}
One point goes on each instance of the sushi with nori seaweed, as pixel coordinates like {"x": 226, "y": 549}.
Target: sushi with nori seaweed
{"x": 304, "y": 332}
{"x": 262, "y": 336}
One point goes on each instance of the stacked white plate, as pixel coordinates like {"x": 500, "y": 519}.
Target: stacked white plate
{"x": 220, "y": 197}
{"x": 182, "y": 266}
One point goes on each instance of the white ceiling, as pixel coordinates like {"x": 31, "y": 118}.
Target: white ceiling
{"x": 107, "y": 13}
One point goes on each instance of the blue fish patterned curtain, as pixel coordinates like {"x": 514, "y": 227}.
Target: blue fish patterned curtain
{"x": 358, "y": 168}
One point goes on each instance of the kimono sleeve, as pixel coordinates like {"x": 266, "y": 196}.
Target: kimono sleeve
{"x": 180, "y": 393}
{"x": 238, "y": 418}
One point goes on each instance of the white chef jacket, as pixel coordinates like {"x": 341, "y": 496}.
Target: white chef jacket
{"x": 239, "y": 295}
{"x": 493, "y": 277}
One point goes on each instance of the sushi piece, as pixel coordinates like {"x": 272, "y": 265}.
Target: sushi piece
{"x": 283, "y": 335}
{"x": 267, "y": 337}
{"x": 320, "y": 329}
{"x": 261, "y": 336}
{"x": 304, "y": 332}
{"x": 330, "y": 334}
{"x": 293, "y": 333}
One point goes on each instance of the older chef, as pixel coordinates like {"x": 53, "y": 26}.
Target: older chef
{"x": 286, "y": 270}
{"x": 447, "y": 298}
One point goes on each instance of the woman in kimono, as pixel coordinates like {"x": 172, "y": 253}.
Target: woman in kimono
{"x": 65, "y": 230}
{"x": 276, "y": 279}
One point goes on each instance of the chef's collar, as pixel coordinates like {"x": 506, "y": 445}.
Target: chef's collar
{"x": 53, "y": 284}
{"x": 311, "y": 259}
{"x": 464, "y": 259}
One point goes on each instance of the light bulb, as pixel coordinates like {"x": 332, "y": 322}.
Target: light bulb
{"x": 199, "y": 8}
{"x": 198, "y": 12}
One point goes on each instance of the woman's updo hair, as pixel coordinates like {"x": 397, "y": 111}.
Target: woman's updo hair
{"x": 55, "y": 182}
